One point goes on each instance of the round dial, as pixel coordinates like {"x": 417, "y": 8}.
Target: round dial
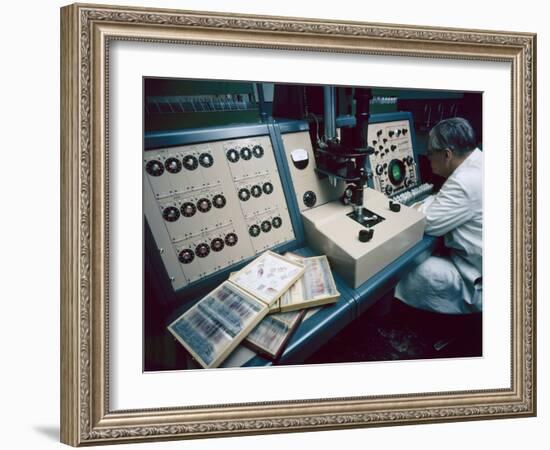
{"x": 186, "y": 256}
{"x": 388, "y": 189}
{"x": 267, "y": 188}
{"x": 206, "y": 159}
{"x": 188, "y": 209}
{"x": 190, "y": 162}
{"x": 171, "y": 213}
{"x": 219, "y": 201}
{"x": 258, "y": 151}
{"x": 202, "y": 250}
{"x": 379, "y": 169}
{"x": 277, "y": 222}
{"x": 254, "y": 230}
{"x": 246, "y": 153}
{"x": 244, "y": 194}
{"x": 232, "y": 155}
{"x": 309, "y": 199}
{"x": 217, "y": 245}
{"x": 154, "y": 168}
{"x": 256, "y": 191}
{"x": 231, "y": 239}
{"x": 173, "y": 165}
{"x": 266, "y": 226}
{"x": 396, "y": 171}
{"x": 204, "y": 205}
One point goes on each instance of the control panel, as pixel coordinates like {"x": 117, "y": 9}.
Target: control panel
{"x": 392, "y": 161}
{"x": 311, "y": 189}
{"x": 211, "y": 205}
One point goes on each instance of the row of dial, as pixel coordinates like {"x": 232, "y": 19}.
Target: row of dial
{"x": 156, "y": 168}
{"x": 255, "y": 191}
{"x": 233, "y": 155}
{"x": 265, "y": 226}
{"x": 188, "y": 209}
{"x": 202, "y": 250}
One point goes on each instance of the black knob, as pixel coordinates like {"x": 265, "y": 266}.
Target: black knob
{"x": 217, "y": 244}
{"x": 206, "y": 160}
{"x": 393, "y": 147}
{"x": 309, "y": 199}
{"x": 404, "y": 131}
{"x": 258, "y": 151}
{"x": 246, "y": 153}
{"x": 190, "y": 162}
{"x": 173, "y": 165}
{"x": 388, "y": 190}
{"x": 379, "y": 169}
{"x": 395, "y": 207}
{"x": 154, "y": 168}
{"x": 379, "y": 133}
{"x": 366, "y": 235}
{"x": 231, "y": 239}
{"x": 391, "y": 133}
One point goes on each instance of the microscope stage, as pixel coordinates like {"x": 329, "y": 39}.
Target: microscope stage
{"x": 329, "y": 230}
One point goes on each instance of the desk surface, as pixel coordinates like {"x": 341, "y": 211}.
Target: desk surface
{"x": 328, "y": 320}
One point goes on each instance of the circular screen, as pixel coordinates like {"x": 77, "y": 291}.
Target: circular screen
{"x": 396, "y": 171}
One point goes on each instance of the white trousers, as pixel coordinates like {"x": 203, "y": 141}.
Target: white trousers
{"x": 435, "y": 285}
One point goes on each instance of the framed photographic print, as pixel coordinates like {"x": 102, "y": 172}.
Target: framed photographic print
{"x": 400, "y": 159}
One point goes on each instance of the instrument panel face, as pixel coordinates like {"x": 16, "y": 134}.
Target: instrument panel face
{"x": 211, "y": 205}
{"x": 392, "y": 163}
{"x": 311, "y": 189}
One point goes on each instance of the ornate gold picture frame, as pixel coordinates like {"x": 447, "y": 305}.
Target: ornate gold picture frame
{"x": 87, "y": 32}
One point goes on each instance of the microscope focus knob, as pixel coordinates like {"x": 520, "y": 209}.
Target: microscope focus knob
{"x": 366, "y": 235}
{"x": 309, "y": 199}
{"x": 395, "y": 207}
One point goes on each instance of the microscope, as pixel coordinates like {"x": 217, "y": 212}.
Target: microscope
{"x": 364, "y": 230}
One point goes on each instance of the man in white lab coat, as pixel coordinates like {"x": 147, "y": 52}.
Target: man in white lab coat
{"x": 451, "y": 284}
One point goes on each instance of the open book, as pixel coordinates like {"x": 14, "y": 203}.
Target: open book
{"x": 211, "y": 329}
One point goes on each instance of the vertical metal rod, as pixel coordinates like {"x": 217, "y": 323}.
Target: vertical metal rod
{"x": 261, "y": 101}
{"x": 329, "y": 112}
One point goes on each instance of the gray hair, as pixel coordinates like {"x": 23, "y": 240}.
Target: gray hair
{"x": 455, "y": 134}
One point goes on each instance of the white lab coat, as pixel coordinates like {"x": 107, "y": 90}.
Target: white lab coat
{"x": 451, "y": 285}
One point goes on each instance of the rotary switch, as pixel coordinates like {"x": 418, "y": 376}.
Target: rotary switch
{"x": 186, "y": 256}
{"x": 267, "y": 188}
{"x": 232, "y": 155}
{"x": 256, "y": 191}
{"x": 379, "y": 169}
{"x": 173, "y": 165}
{"x": 202, "y": 250}
{"x": 254, "y": 230}
{"x": 217, "y": 245}
{"x": 190, "y": 162}
{"x": 388, "y": 190}
{"x": 258, "y": 151}
{"x": 246, "y": 153}
{"x": 171, "y": 214}
{"x": 206, "y": 159}
{"x": 231, "y": 239}
{"x": 244, "y": 194}
{"x": 204, "y": 205}
{"x": 188, "y": 209}
{"x": 277, "y": 222}
{"x": 154, "y": 168}
{"x": 219, "y": 201}
{"x": 266, "y": 226}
